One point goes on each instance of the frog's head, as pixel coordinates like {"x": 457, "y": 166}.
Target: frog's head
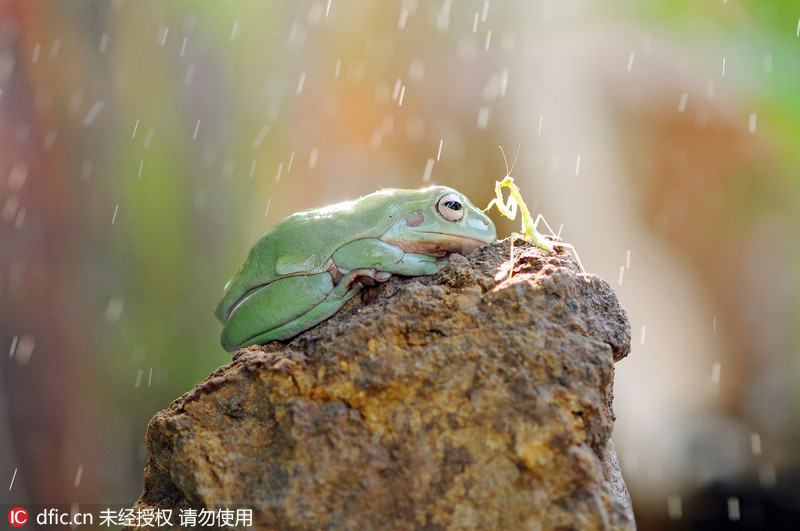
{"x": 437, "y": 221}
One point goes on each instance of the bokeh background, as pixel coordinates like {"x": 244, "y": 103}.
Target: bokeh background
{"x": 145, "y": 145}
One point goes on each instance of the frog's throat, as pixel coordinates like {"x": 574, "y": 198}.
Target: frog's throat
{"x": 449, "y": 243}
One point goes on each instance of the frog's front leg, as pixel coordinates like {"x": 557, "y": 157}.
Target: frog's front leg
{"x": 383, "y": 256}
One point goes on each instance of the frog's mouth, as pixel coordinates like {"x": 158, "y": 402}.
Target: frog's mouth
{"x": 449, "y": 243}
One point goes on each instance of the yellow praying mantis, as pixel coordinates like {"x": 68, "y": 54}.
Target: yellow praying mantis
{"x": 530, "y": 232}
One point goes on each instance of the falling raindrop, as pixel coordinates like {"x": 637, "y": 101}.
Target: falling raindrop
{"x": 674, "y": 507}
{"x": 628, "y": 259}
{"x": 10, "y": 208}
{"x": 49, "y": 140}
{"x": 397, "y": 86}
{"x": 183, "y": 46}
{"x": 716, "y": 370}
{"x": 755, "y": 443}
{"x": 24, "y": 349}
{"x": 503, "y": 82}
{"x": 426, "y": 176}
{"x": 114, "y": 308}
{"x": 114, "y": 217}
{"x": 252, "y": 169}
{"x": 54, "y": 48}
{"x": 20, "y": 218}
{"x": 752, "y": 125}
{"x": 141, "y": 165}
{"x": 439, "y": 154}
{"x": 16, "y": 179}
{"x": 723, "y": 65}
{"x": 338, "y": 68}
{"x": 139, "y": 378}
{"x": 93, "y": 112}
{"x": 682, "y": 103}
{"x": 301, "y": 82}
{"x": 578, "y": 165}
{"x": 148, "y": 138}
{"x": 734, "y": 513}
{"x": 312, "y": 158}
{"x": 13, "y": 477}
{"x": 401, "y": 24}
{"x": 196, "y": 129}
{"x": 36, "y": 49}
{"x": 541, "y": 119}
{"x": 162, "y": 34}
{"x": 488, "y": 40}
{"x": 135, "y": 127}
{"x": 376, "y": 139}
{"x": 314, "y": 14}
{"x": 416, "y": 71}
{"x": 280, "y": 170}
{"x": 291, "y": 159}
{"x": 766, "y": 476}
{"x": 621, "y": 273}
{"x": 443, "y": 17}
{"x": 103, "y": 43}
{"x": 78, "y": 475}
{"x": 644, "y": 331}
{"x": 269, "y": 200}
{"x": 261, "y": 135}
{"x": 630, "y": 62}
{"x": 483, "y": 117}
{"x": 189, "y": 74}
{"x": 234, "y": 30}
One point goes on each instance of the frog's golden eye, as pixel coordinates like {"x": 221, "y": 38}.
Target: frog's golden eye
{"x": 450, "y": 207}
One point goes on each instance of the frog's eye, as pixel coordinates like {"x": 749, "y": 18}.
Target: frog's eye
{"x": 450, "y": 207}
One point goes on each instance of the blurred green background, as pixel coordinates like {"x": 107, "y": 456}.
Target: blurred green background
{"x": 145, "y": 145}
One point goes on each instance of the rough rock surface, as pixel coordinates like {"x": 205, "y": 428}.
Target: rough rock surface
{"x": 451, "y": 401}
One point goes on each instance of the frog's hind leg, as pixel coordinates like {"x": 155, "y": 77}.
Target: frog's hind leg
{"x": 348, "y": 287}
{"x": 264, "y": 309}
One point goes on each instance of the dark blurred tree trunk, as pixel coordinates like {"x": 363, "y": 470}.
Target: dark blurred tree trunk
{"x": 40, "y": 215}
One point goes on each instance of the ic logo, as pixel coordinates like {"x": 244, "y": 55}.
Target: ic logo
{"x": 18, "y": 517}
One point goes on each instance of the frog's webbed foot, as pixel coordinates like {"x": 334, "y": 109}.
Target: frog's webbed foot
{"x": 370, "y": 277}
{"x": 358, "y": 278}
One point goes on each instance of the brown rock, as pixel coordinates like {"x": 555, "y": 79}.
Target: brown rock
{"x": 443, "y": 402}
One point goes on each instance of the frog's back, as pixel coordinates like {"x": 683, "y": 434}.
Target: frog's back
{"x": 302, "y": 243}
